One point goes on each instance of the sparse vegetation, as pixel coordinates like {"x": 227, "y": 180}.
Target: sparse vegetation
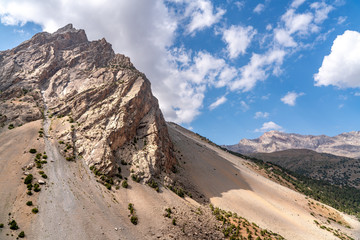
{"x": 168, "y": 212}
{"x": 236, "y": 227}
{"x": 124, "y": 184}
{"x": 154, "y": 185}
{"x": 21, "y": 234}
{"x": 28, "y": 179}
{"x": 13, "y": 225}
{"x": 37, "y": 187}
{"x": 179, "y": 191}
{"x": 133, "y": 217}
{"x": 29, "y": 203}
{"x": 135, "y": 178}
{"x": 1, "y": 225}
{"x": 11, "y": 126}
{"x": 35, "y": 210}
{"x": 32, "y": 150}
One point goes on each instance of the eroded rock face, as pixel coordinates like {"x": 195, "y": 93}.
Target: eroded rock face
{"x": 116, "y": 117}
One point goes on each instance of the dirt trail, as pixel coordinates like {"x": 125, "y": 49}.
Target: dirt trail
{"x": 230, "y": 184}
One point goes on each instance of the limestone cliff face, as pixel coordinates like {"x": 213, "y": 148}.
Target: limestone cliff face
{"x": 116, "y": 117}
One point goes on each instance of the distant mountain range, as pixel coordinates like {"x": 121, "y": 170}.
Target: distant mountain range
{"x": 345, "y": 144}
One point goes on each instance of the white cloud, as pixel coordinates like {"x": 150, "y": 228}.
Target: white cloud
{"x": 268, "y": 126}
{"x": 257, "y": 69}
{"x": 259, "y": 8}
{"x": 290, "y": 98}
{"x": 217, "y": 103}
{"x": 261, "y": 115}
{"x": 283, "y": 38}
{"x": 297, "y": 3}
{"x": 341, "y": 68}
{"x": 238, "y": 39}
{"x": 202, "y": 14}
{"x": 321, "y": 11}
{"x": 269, "y": 27}
{"x": 357, "y": 94}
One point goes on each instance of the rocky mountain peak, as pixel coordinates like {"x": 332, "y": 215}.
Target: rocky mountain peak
{"x": 345, "y": 144}
{"x": 115, "y": 118}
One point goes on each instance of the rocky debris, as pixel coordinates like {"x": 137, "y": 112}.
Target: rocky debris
{"x": 345, "y": 144}
{"x": 42, "y": 182}
{"x": 114, "y": 116}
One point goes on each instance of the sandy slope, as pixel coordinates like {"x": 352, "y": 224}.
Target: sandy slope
{"x": 230, "y": 184}
{"x": 74, "y": 206}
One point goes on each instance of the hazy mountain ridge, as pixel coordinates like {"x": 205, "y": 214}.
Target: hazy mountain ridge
{"x": 345, "y": 144}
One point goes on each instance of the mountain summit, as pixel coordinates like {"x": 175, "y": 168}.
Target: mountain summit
{"x": 114, "y": 116}
{"x": 345, "y": 144}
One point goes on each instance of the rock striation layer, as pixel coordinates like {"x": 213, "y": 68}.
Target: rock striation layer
{"x": 345, "y": 144}
{"x": 115, "y": 118}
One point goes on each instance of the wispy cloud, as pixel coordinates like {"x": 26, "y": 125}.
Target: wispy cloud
{"x": 217, "y": 103}
{"x": 261, "y": 115}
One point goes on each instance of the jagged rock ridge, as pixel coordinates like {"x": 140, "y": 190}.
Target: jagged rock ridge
{"x": 345, "y": 144}
{"x": 116, "y": 117}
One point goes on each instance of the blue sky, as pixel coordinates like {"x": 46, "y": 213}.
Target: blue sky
{"x": 225, "y": 69}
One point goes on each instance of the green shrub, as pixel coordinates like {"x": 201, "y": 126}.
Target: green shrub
{"x": 21, "y": 234}
{"x": 131, "y": 208}
{"x": 44, "y": 176}
{"x": 135, "y": 178}
{"x": 28, "y": 179}
{"x": 29, "y": 203}
{"x": 38, "y": 165}
{"x": 124, "y": 184}
{"x": 43, "y": 162}
{"x": 11, "y": 126}
{"x": 38, "y": 156}
{"x": 61, "y": 142}
{"x": 41, "y": 172}
{"x": 44, "y": 156}
{"x": 134, "y": 220}
{"x": 174, "y": 221}
{"x": 37, "y": 187}
{"x": 168, "y": 212}
{"x": 35, "y": 210}
{"x": 29, "y": 186}
{"x": 1, "y": 225}
{"x": 33, "y": 150}
{"x": 13, "y": 225}
{"x": 29, "y": 193}
{"x": 108, "y": 186}
{"x": 92, "y": 168}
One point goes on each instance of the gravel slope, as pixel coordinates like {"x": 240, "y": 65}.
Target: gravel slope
{"x": 229, "y": 183}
